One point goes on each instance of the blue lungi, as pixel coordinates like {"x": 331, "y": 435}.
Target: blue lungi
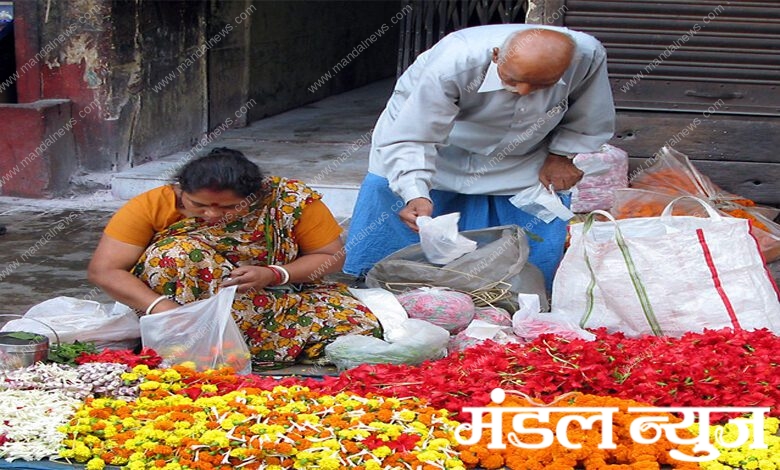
{"x": 376, "y": 230}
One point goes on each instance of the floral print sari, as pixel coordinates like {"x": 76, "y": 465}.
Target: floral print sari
{"x": 189, "y": 260}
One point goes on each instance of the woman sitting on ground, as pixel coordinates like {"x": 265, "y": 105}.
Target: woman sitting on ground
{"x": 223, "y": 223}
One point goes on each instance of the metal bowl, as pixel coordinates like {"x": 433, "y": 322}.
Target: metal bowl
{"x": 21, "y": 349}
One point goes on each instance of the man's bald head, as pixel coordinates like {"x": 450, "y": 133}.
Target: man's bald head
{"x": 535, "y": 57}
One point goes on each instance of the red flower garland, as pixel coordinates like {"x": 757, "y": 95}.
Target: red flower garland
{"x": 713, "y": 368}
{"x": 147, "y": 356}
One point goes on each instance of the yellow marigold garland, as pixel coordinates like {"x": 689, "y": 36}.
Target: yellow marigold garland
{"x": 743, "y": 457}
{"x": 287, "y": 427}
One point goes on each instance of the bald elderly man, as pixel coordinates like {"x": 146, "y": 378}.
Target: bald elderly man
{"x": 484, "y": 114}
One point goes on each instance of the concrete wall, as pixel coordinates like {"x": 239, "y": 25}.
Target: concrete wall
{"x": 158, "y": 78}
{"x": 149, "y": 78}
{"x": 296, "y": 44}
{"x": 111, "y": 59}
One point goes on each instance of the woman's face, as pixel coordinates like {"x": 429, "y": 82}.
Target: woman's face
{"x": 214, "y": 205}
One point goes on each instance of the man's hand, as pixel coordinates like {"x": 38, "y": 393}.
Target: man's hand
{"x": 415, "y": 208}
{"x": 560, "y": 172}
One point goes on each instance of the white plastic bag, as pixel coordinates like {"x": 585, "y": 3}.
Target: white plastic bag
{"x": 541, "y": 202}
{"x": 202, "y": 332}
{"x": 407, "y": 341}
{"x": 418, "y": 341}
{"x": 113, "y": 326}
{"x": 666, "y": 275}
{"x": 528, "y": 322}
{"x": 479, "y": 331}
{"x": 386, "y": 308}
{"x": 440, "y": 240}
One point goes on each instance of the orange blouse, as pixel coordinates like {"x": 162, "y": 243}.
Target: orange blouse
{"x": 153, "y": 211}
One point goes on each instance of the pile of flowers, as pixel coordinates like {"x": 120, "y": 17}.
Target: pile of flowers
{"x": 713, "y": 368}
{"x": 641, "y": 456}
{"x": 29, "y": 421}
{"x": 285, "y": 427}
{"x": 742, "y": 456}
{"x": 129, "y": 413}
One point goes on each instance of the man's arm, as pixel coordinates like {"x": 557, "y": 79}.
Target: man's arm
{"x": 590, "y": 120}
{"x": 409, "y": 133}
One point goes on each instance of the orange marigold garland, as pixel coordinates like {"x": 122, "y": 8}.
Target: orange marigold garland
{"x": 556, "y": 456}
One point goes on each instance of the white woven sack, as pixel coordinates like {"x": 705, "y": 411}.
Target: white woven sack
{"x": 666, "y": 275}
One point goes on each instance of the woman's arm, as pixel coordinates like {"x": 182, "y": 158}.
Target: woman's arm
{"x": 109, "y": 269}
{"x": 310, "y": 266}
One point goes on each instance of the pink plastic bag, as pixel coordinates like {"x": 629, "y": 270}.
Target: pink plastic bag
{"x": 446, "y": 308}
{"x": 494, "y": 315}
{"x": 595, "y": 191}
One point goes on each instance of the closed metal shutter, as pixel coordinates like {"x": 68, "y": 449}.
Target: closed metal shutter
{"x": 688, "y": 56}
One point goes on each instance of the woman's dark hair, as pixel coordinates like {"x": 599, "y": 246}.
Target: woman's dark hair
{"x": 222, "y": 169}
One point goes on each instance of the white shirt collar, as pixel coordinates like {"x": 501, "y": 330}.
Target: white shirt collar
{"x": 492, "y": 82}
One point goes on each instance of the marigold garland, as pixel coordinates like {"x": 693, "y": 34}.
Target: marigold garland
{"x": 713, "y": 368}
{"x": 287, "y": 427}
{"x": 628, "y": 453}
{"x": 743, "y": 456}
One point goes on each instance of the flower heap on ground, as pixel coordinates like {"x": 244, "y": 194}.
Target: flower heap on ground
{"x": 713, "y": 368}
{"x": 35, "y": 400}
{"x": 285, "y": 427}
{"x": 742, "y": 456}
{"x": 589, "y": 455}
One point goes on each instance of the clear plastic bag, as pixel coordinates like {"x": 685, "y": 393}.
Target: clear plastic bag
{"x": 672, "y": 175}
{"x": 528, "y": 322}
{"x": 202, "y": 333}
{"x": 113, "y": 326}
{"x": 541, "y": 202}
{"x": 494, "y": 315}
{"x": 446, "y": 308}
{"x": 440, "y": 239}
{"x": 479, "y": 331}
{"x": 604, "y": 172}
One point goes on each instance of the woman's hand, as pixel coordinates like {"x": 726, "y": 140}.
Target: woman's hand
{"x": 164, "y": 306}
{"x": 250, "y": 277}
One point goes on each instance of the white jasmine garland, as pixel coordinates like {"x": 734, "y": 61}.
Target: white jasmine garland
{"x": 30, "y": 419}
{"x": 98, "y": 379}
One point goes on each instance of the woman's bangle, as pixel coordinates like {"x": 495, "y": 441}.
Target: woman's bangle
{"x": 154, "y": 304}
{"x": 277, "y": 276}
{"x": 283, "y": 272}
